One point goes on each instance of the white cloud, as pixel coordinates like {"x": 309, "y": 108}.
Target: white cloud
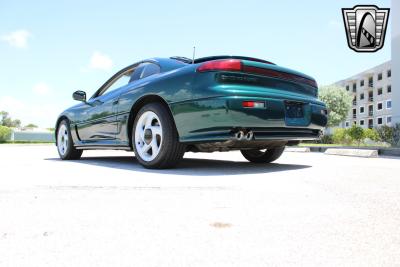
{"x": 17, "y": 39}
{"x": 41, "y": 89}
{"x": 100, "y": 61}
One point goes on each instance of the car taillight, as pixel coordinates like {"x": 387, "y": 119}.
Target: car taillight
{"x": 279, "y": 75}
{"x": 253, "y": 104}
{"x": 236, "y": 65}
{"x": 224, "y": 65}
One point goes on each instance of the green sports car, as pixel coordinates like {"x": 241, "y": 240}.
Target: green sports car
{"x": 162, "y": 107}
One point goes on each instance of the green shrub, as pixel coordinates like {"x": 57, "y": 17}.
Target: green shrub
{"x": 396, "y": 135}
{"x": 5, "y": 133}
{"x": 386, "y": 134}
{"x": 390, "y": 134}
{"x": 372, "y": 134}
{"x": 356, "y": 133}
{"x": 326, "y": 139}
{"x": 340, "y": 136}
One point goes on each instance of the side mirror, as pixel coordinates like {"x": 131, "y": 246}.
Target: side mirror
{"x": 79, "y": 96}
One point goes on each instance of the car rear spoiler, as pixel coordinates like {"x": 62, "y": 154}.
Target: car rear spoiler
{"x": 205, "y": 59}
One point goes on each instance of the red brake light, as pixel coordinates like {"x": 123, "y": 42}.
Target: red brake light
{"x": 225, "y": 64}
{"x": 279, "y": 75}
{"x": 253, "y": 104}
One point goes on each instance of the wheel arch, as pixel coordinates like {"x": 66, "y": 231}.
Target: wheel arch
{"x": 141, "y": 102}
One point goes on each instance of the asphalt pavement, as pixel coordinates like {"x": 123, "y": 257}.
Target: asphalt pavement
{"x": 307, "y": 209}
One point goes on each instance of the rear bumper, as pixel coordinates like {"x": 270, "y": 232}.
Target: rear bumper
{"x": 218, "y": 118}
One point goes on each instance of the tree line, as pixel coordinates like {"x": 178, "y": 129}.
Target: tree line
{"x": 7, "y": 121}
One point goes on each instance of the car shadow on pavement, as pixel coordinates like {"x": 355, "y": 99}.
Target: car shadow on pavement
{"x": 190, "y": 166}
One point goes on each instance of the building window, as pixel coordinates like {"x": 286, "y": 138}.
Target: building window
{"x": 355, "y": 122}
{"x": 371, "y": 110}
{"x": 379, "y": 106}
{"x": 361, "y": 96}
{"x": 347, "y": 87}
{"x": 370, "y": 123}
{"x": 362, "y": 122}
{"x": 371, "y": 81}
{"x": 379, "y": 121}
{"x": 362, "y": 83}
{"x": 388, "y": 119}
{"x": 370, "y": 96}
{"x": 379, "y": 76}
{"x": 354, "y": 87}
{"x": 389, "y": 89}
{"x": 389, "y": 73}
{"x": 379, "y": 91}
{"x": 354, "y": 113}
{"x": 362, "y": 109}
{"x": 347, "y": 124}
{"x": 388, "y": 104}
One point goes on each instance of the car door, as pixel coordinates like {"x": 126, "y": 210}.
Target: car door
{"x": 99, "y": 117}
{"x": 136, "y": 83}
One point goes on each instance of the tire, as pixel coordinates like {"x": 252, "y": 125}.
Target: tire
{"x": 65, "y": 145}
{"x": 257, "y": 156}
{"x": 155, "y": 139}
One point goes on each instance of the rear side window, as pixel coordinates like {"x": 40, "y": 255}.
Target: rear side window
{"x": 137, "y": 73}
{"x": 145, "y": 70}
{"x": 150, "y": 69}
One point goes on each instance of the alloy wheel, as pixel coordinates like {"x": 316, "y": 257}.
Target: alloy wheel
{"x": 148, "y": 136}
{"x": 62, "y": 139}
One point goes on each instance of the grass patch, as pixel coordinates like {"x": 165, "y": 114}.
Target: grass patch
{"x": 27, "y": 142}
{"x": 313, "y": 144}
{"x": 337, "y": 145}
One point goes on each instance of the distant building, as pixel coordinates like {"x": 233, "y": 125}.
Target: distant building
{"x": 395, "y": 20}
{"x": 373, "y": 97}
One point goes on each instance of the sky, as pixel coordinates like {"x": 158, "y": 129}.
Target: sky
{"x": 49, "y": 49}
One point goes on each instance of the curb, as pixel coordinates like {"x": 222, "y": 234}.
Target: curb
{"x": 297, "y": 149}
{"x": 364, "y": 153}
{"x": 382, "y": 151}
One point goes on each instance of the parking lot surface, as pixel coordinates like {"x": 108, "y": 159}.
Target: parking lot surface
{"x": 306, "y": 209}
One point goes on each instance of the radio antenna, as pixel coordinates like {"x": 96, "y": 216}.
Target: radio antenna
{"x": 194, "y": 53}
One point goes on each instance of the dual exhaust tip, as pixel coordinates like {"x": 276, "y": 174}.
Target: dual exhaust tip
{"x": 240, "y": 135}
